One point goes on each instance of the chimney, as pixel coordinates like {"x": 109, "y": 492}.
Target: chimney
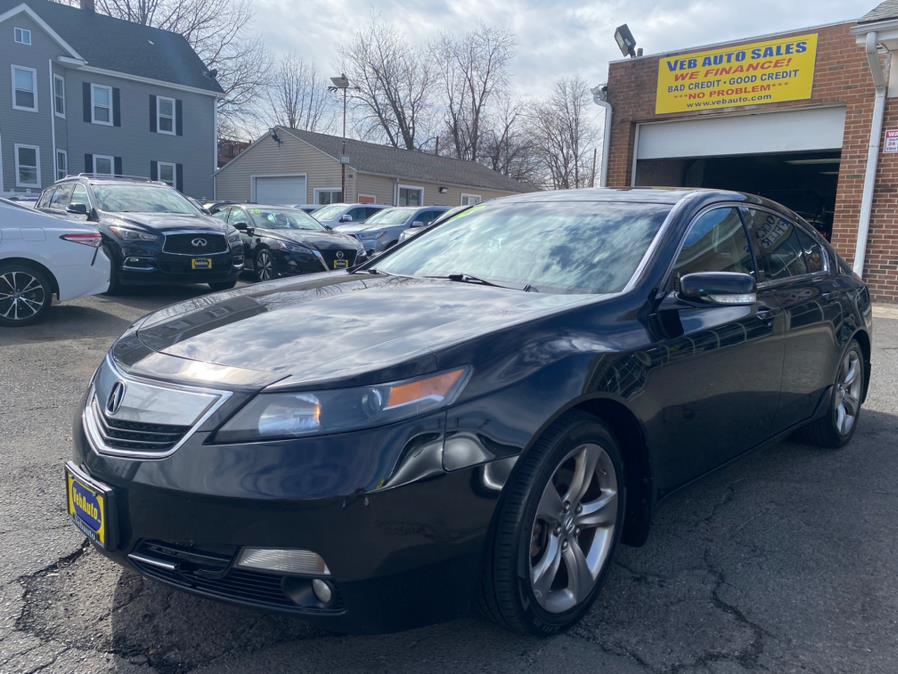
{"x": 88, "y": 6}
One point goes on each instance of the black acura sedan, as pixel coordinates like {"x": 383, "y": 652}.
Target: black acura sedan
{"x": 152, "y": 234}
{"x": 284, "y": 241}
{"x": 478, "y": 416}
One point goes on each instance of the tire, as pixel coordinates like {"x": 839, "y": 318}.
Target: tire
{"x": 837, "y": 427}
{"x": 514, "y": 592}
{"x": 115, "y": 286}
{"x": 263, "y": 265}
{"x": 26, "y": 292}
{"x": 223, "y": 285}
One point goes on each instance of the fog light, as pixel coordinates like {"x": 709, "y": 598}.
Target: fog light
{"x": 283, "y": 560}
{"x": 323, "y": 591}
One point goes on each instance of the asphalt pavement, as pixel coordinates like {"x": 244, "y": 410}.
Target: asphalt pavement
{"x": 784, "y": 561}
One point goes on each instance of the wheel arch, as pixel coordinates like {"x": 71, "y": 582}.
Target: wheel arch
{"x": 863, "y": 338}
{"x": 37, "y": 265}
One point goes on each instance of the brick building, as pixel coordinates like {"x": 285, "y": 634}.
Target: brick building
{"x": 807, "y": 117}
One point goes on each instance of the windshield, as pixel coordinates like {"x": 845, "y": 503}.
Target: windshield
{"x": 284, "y": 218}
{"x": 329, "y": 212}
{"x": 142, "y": 199}
{"x": 390, "y": 216}
{"x": 575, "y": 247}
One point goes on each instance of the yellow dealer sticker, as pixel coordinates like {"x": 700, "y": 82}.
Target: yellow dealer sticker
{"x": 772, "y": 71}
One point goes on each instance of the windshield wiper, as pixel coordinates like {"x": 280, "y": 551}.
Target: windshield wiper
{"x": 470, "y": 278}
{"x": 372, "y": 271}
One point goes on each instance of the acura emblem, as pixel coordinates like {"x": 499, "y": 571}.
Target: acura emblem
{"x": 116, "y": 395}
{"x": 339, "y": 254}
{"x": 198, "y": 243}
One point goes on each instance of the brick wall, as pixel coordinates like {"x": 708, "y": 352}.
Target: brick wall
{"x": 841, "y": 77}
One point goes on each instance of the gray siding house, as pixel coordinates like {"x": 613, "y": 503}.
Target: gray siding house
{"x": 291, "y": 166}
{"x": 83, "y": 92}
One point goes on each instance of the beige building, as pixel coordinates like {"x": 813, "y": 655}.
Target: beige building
{"x": 290, "y": 166}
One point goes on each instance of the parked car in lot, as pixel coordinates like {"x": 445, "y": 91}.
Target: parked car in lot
{"x": 337, "y": 214}
{"x": 382, "y": 229}
{"x": 42, "y": 256}
{"x": 282, "y": 241}
{"x": 308, "y": 208}
{"x": 152, "y": 234}
{"x": 418, "y": 226}
{"x": 486, "y": 410}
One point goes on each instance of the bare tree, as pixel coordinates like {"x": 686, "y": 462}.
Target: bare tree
{"x": 507, "y": 145}
{"x": 473, "y": 70}
{"x": 217, "y": 31}
{"x": 298, "y": 97}
{"x": 390, "y": 86}
{"x": 564, "y": 134}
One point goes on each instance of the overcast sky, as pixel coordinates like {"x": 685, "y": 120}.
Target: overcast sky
{"x": 555, "y": 38}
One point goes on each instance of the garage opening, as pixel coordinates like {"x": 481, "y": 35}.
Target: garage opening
{"x": 792, "y": 157}
{"x": 805, "y": 182}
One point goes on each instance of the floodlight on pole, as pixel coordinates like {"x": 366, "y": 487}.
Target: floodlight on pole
{"x": 342, "y": 83}
{"x": 625, "y": 40}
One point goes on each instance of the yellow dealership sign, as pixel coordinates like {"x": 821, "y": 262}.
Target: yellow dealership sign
{"x": 772, "y": 71}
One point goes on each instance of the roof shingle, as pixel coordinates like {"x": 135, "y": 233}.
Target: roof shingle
{"x": 883, "y": 11}
{"x": 409, "y": 164}
{"x": 123, "y": 46}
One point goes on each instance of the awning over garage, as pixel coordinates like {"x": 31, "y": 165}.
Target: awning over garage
{"x": 274, "y": 190}
{"x": 791, "y": 131}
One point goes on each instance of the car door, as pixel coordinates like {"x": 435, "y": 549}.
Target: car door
{"x": 798, "y": 282}
{"x": 238, "y": 218}
{"x": 716, "y": 369}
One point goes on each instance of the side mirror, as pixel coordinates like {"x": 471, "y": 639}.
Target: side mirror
{"x": 417, "y": 223}
{"x": 250, "y": 231}
{"x": 77, "y": 209}
{"x": 240, "y": 225}
{"x": 346, "y": 217}
{"x": 718, "y": 287}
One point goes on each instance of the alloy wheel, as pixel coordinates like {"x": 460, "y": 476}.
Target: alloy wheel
{"x": 847, "y": 398}
{"x": 264, "y": 265}
{"x": 22, "y": 295}
{"x": 573, "y": 530}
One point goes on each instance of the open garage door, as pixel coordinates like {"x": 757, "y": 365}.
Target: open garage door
{"x": 792, "y": 157}
{"x": 274, "y": 190}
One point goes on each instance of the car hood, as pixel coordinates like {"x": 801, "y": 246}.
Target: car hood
{"x": 164, "y": 222}
{"x": 329, "y": 327}
{"x": 319, "y": 240}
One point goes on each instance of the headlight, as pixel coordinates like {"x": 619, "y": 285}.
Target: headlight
{"x": 127, "y": 234}
{"x": 234, "y": 235}
{"x": 271, "y": 416}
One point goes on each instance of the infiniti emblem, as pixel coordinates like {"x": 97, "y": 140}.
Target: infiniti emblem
{"x": 198, "y": 243}
{"x": 339, "y": 254}
{"x": 116, "y": 395}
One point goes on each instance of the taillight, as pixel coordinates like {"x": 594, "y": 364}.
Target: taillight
{"x": 92, "y": 239}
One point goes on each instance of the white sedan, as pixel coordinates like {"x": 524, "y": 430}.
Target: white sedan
{"x": 43, "y": 255}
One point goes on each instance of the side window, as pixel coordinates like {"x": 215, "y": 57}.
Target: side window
{"x": 780, "y": 253}
{"x": 358, "y": 214}
{"x": 44, "y": 201}
{"x": 716, "y": 241}
{"x": 79, "y": 195}
{"x": 239, "y": 217}
{"x": 222, "y": 214}
{"x": 61, "y": 197}
{"x": 371, "y": 211}
{"x": 814, "y": 256}
{"x": 427, "y": 216}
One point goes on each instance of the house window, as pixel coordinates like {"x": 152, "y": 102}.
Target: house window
{"x": 104, "y": 165}
{"x": 165, "y": 115}
{"x": 101, "y": 104}
{"x": 168, "y": 173}
{"x": 28, "y": 165}
{"x": 59, "y": 96}
{"x": 62, "y": 164}
{"x": 328, "y": 195}
{"x": 410, "y": 196}
{"x": 470, "y": 199}
{"x": 24, "y": 88}
{"x": 22, "y": 35}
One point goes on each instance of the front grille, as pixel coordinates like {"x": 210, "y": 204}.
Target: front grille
{"x": 195, "y": 244}
{"x": 133, "y": 435}
{"x": 209, "y": 573}
{"x": 331, "y": 255}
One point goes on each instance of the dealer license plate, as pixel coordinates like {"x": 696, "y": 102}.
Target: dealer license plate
{"x": 87, "y": 504}
{"x": 341, "y": 264}
{"x": 201, "y": 263}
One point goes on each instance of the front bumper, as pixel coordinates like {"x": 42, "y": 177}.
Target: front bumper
{"x": 163, "y": 268}
{"x": 402, "y": 537}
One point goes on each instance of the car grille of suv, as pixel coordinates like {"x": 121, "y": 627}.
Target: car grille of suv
{"x": 195, "y": 244}
{"x": 331, "y": 255}
{"x": 210, "y": 573}
{"x": 132, "y": 435}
